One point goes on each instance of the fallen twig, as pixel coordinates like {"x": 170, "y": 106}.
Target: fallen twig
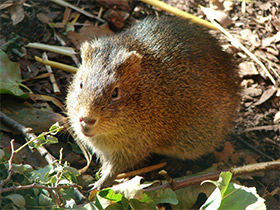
{"x": 34, "y": 185}
{"x": 237, "y": 44}
{"x": 52, "y": 78}
{"x": 252, "y": 147}
{"x": 141, "y": 171}
{"x": 66, "y": 4}
{"x": 28, "y": 135}
{"x": 10, "y": 171}
{"x": 163, "y": 6}
{"x": 58, "y": 65}
{"x": 42, "y": 150}
{"x": 252, "y": 168}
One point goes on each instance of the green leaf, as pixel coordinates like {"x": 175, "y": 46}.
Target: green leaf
{"x": 17, "y": 199}
{"x": 45, "y": 200}
{"x": 56, "y": 128}
{"x": 20, "y": 168}
{"x": 231, "y": 196}
{"x": 10, "y": 79}
{"x": 109, "y": 194}
{"x": 90, "y": 206}
{"x": 114, "y": 206}
{"x": 2, "y": 154}
{"x": 187, "y": 197}
{"x": 215, "y": 199}
{"x": 136, "y": 204}
{"x": 160, "y": 196}
{"x": 51, "y": 139}
{"x": 241, "y": 197}
{"x": 42, "y": 173}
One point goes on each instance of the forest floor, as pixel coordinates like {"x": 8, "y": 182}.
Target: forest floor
{"x": 256, "y": 24}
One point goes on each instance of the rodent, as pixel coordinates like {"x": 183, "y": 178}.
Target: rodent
{"x": 163, "y": 86}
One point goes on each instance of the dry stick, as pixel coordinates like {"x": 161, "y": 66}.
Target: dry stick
{"x": 34, "y": 185}
{"x": 10, "y": 166}
{"x": 141, "y": 171}
{"x": 253, "y": 148}
{"x": 58, "y": 65}
{"x": 163, "y": 6}
{"x": 252, "y": 168}
{"x": 236, "y": 43}
{"x": 66, "y": 4}
{"x": 52, "y": 78}
{"x": 73, "y": 56}
{"x": 26, "y": 132}
{"x": 43, "y": 152}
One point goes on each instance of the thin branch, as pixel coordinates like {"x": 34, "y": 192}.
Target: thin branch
{"x": 58, "y": 65}
{"x": 26, "y": 133}
{"x": 34, "y": 185}
{"x": 248, "y": 169}
{"x": 253, "y": 148}
{"x": 66, "y": 4}
{"x": 165, "y": 7}
{"x": 236, "y": 43}
{"x": 42, "y": 150}
{"x": 10, "y": 170}
{"x": 52, "y": 77}
{"x": 141, "y": 171}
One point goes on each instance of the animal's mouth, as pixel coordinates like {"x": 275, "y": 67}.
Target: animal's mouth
{"x": 88, "y": 131}
{"x": 87, "y": 126}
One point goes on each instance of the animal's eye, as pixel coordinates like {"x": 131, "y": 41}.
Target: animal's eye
{"x": 81, "y": 84}
{"x": 115, "y": 93}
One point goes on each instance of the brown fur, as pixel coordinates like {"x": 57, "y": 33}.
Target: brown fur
{"x": 178, "y": 94}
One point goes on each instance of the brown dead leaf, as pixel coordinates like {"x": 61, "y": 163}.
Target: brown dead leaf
{"x": 38, "y": 97}
{"x": 269, "y": 40}
{"x": 266, "y": 95}
{"x": 247, "y": 69}
{"x": 217, "y": 4}
{"x": 17, "y": 13}
{"x": 88, "y": 32}
{"x": 117, "y": 18}
{"x": 276, "y": 118}
{"x": 252, "y": 91}
{"x": 218, "y": 15}
{"x": 6, "y": 4}
{"x": 251, "y": 37}
{"x": 117, "y": 4}
{"x": 44, "y": 18}
{"x": 39, "y": 119}
{"x": 227, "y": 152}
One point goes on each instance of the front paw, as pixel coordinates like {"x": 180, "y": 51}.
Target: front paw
{"x": 103, "y": 182}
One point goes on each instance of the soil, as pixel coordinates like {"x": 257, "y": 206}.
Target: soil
{"x": 256, "y": 24}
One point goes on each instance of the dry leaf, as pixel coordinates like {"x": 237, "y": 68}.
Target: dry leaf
{"x": 247, "y": 69}
{"x": 252, "y": 91}
{"x": 17, "y": 13}
{"x": 220, "y": 16}
{"x": 226, "y": 153}
{"x": 88, "y": 32}
{"x": 6, "y": 4}
{"x": 266, "y": 95}
{"x": 36, "y": 97}
{"x": 276, "y": 118}
{"x": 269, "y": 40}
{"x": 251, "y": 37}
{"x": 117, "y": 18}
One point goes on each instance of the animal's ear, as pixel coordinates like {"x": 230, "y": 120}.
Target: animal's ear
{"x": 132, "y": 62}
{"x": 86, "y": 51}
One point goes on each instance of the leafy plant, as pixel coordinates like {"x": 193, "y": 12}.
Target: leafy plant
{"x": 10, "y": 80}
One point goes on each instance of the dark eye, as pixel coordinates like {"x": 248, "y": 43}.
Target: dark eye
{"x": 115, "y": 93}
{"x": 81, "y": 84}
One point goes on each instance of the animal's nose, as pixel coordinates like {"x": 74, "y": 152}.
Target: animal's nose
{"x": 87, "y": 121}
